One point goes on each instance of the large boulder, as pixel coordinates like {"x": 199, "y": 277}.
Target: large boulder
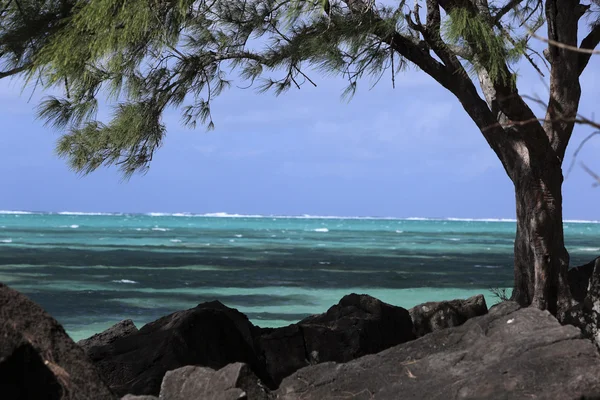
{"x": 584, "y": 282}
{"x": 38, "y": 360}
{"x": 433, "y": 316}
{"x": 509, "y": 353}
{"x": 586, "y": 319}
{"x": 357, "y": 325}
{"x": 232, "y": 382}
{"x": 210, "y": 335}
{"x": 213, "y": 335}
{"x": 117, "y": 331}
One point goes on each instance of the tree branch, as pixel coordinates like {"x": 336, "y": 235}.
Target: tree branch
{"x": 592, "y": 174}
{"x": 588, "y": 51}
{"x": 506, "y": 9}
{"x": 589, "y": 43}
{"x": 502, "y": 95}
{"x": 432, "y": 34}
{"x": 577, "y": 150}
{"x": 450, "y": 77}
{"x": 14, "y": 71}
{"x": 562, "y": 18}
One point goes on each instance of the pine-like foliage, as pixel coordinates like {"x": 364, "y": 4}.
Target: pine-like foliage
{"x": 25, "y": 27}
{"x": 149, "y": 55}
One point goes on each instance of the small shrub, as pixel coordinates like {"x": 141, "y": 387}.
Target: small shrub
{"x": 500, "y": 293}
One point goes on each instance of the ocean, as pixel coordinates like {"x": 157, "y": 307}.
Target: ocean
{"x": 93, "y": 270}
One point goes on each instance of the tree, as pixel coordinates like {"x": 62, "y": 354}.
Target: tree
{"x": 149, "y": 55}
{"x": 25, "y": 27}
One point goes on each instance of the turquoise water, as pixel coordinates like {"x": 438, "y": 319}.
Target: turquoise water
{"x": 90, "y": 271}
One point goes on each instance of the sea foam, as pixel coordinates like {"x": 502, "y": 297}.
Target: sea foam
{"x": 124, "y": 281}
{"x": 321, "y": 230}
{"x": 78, "y": 213}
{"x": 594, "y": 249}
{"x": 157, "y": 214}
{"x": 303, "y": 216}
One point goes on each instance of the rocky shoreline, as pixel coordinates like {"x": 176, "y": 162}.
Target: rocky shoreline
{"x": 361, "y": 348}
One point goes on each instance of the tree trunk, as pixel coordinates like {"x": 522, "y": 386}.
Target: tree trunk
{"x": 541, "y": 259}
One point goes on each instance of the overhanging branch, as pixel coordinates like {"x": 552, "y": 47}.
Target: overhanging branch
{"x": 588, "y": 43}
{"x": 506, "y": 9}
{"x": 14, "y": 71}
{"x": 450, "y": 77}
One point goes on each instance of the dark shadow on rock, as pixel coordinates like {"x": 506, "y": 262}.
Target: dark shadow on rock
{"x": 584, "y": 282}
{"x": 24, "y": 376}
{"x": 37, "y": 355}
{"x": 579, "y": 279}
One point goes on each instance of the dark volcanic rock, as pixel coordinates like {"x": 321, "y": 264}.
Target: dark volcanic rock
{"x": 213, "y": 335}
{"x": 38, "y": 360}
{"x": 210, "y": 335}
{"x": 586, "y": 319}
{"x": 509, "y": 353}
{"x": 119, "y": 330}
{"x": 232, "y": 382}
{"x": 357, "y": 325}
{"x": 433, "y": 316}
{"x": 141, "y": 397}
{"x": 579, "y": 280}
{"x": 23, "y": 375}
{"x": 584, "y": 282}
{"x": 285, "y": 351}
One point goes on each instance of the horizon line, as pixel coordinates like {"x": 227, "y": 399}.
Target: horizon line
{"x": 297, "y": 216}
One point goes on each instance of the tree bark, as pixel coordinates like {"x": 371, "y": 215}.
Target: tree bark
{"x": 541, "y": 259}
{"x": 531, "y": 152}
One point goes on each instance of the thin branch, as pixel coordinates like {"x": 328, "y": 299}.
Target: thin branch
{"x": 587, "y": 51}
{"x": 393, "y": 72}
{"x": 577, "y": 150}
{"x": 4, "y": 74}
{"x": 532, "y": 29}
{"x": 305, "y": 76}
{"x": 579, "y": 119}
{"x": 593, "y": 174}
{"x": 506, "y": 9}
{"x": 588, "y": 43}
{"x": 537, "y": 6}
{"x": 507, "y": 36}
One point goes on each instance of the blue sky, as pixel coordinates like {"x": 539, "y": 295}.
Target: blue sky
{"x": 408, "y": 151}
